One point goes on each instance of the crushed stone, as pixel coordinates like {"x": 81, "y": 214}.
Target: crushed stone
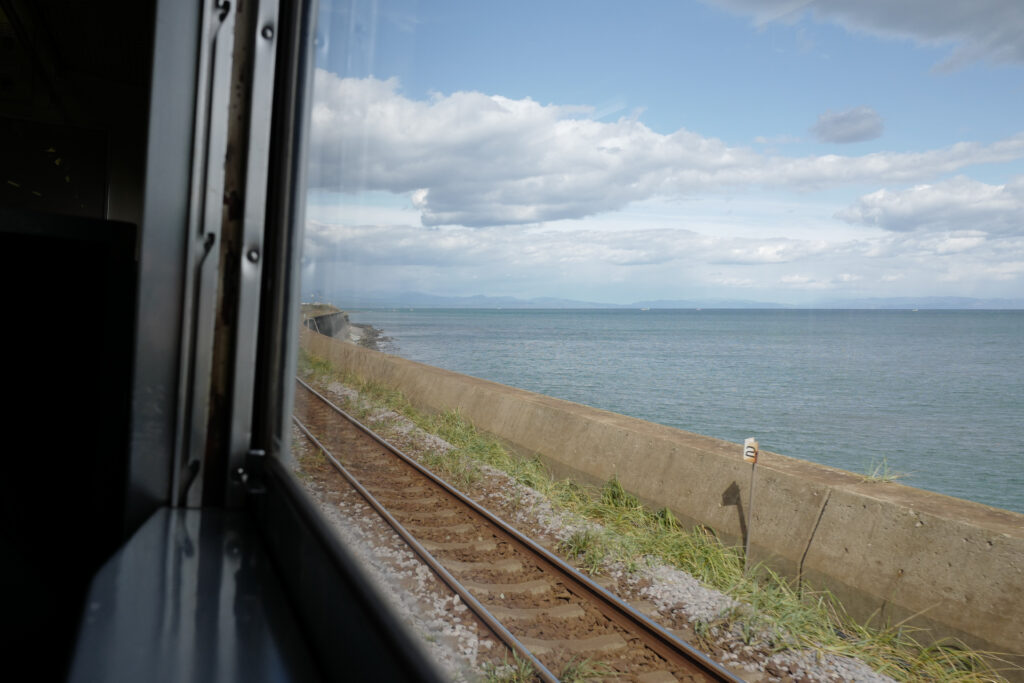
{"x": 673, "y": 593}
{"x": 445, "y": 629}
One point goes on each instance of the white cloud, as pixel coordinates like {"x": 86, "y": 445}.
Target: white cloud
{"x": 623, "y": 264}
{"x": 774, "y": 250}
{"x": 977, "y": 29}
{"x": 1006, "y": 271}
{"x": 810, "y": 282}
{"x": 956, "y": 244}
{"x": 956, "y": 204}
{"x": 739, "y": 282}
{"x": 455, "y": 245}
{"x": 972, "y": 260}
{"x": 800, "y": 281}
{"x": 477, "y": 160}
{"x": 852, "y": 125}
{"x": 928, "y": 245}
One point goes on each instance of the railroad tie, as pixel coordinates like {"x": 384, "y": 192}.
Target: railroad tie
{"x": 453, "y": 529}
{"x": 400, "y": 495}
{"x": 481, "y": 546}
{"x": 609, "y": 643}
{"x": 570, "y": 611}
{"x": 658, "y": 677}
{"x": 427, "y": 514}
{"x": 413, "y": 502}
{"x": 533, "y": 588}
{"x": 509, "y": 566}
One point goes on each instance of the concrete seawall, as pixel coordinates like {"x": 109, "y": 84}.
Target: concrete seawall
{"x": 332, "y": 324}
{"x": 891, "y": 552}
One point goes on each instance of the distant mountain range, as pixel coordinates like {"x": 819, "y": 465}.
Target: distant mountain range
{"x": 420, "y": 300}
{"x": 927, "y": 302}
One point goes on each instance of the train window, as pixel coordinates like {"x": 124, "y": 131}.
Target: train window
{"x": 713, "y": 220}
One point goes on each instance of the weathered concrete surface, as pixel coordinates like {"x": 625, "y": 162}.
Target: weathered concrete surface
{"x": 951, "y": 566}
{"x": 331, "y": 324}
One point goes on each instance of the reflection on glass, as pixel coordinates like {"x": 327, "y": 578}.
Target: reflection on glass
{"x": 798, "y": 223}
{"x": 685, "y": 156}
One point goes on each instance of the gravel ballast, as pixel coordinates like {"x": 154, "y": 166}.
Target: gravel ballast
{"x": 451, "y": 635}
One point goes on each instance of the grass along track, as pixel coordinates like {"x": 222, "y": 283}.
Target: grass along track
{"x": 773, "y": 625}
{"x": 559, "y": 615}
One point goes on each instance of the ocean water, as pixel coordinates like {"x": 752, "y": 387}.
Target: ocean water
{"x": 936, "y": 395}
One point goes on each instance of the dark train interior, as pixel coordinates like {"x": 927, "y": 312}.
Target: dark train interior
{"x": 151, "y": 204}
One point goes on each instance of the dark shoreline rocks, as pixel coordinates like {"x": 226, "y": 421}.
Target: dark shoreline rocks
{"x": 370, "y": 337}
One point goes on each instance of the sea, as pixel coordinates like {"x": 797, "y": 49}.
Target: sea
{"x": 930, "y": 398}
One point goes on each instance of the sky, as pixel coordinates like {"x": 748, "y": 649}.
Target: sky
{"x": 760, "y": 150}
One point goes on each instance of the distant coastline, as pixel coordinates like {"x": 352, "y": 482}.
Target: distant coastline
{"x": 421, "y": 300}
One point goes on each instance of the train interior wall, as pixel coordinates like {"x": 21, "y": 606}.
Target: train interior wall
{"x": 74, "y": 86}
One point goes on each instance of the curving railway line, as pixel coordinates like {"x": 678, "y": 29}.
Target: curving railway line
{"x": 530, "y": 599}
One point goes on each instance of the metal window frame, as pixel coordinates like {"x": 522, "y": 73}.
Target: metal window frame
{"x": 161, "y": 310}
{"x": 181, "y": 279}
{"x": 183, "y": 214}
{"x": 286, "y": 219}
{"x": 202, "y": 265}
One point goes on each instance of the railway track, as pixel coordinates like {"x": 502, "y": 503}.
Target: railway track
{"x": 539, "y": 606}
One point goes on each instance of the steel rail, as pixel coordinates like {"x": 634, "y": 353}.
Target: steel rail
{"x": 475, "y": 606}
{"x": 616, "y": 610}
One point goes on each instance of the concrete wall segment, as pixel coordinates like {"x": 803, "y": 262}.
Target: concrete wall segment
{"x": 952, "y": 566}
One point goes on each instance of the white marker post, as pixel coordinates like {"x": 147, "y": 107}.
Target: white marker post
{"x": 749, "y": 455}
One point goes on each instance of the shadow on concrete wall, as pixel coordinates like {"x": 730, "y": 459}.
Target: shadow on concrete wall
{"x": 730, "y": 497}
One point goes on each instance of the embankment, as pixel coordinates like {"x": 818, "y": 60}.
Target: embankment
{"x": 336, "y": 324}
{"x": 889, "y": 552}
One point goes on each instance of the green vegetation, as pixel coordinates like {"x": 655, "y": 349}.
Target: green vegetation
{"x": 518, "y": 670}
{"x": 773, "y": 613}
{"x": 587, "y": 548}
{"x": 580, "y": 670}
{"x": 878, "y": 472}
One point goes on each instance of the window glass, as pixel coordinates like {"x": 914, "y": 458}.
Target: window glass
{"x": 733, "y": 218}
{"x": 614, "y": 241}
